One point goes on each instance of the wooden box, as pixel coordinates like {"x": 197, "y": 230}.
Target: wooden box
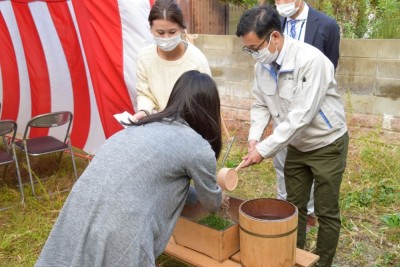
{"x": 217, "y": 244}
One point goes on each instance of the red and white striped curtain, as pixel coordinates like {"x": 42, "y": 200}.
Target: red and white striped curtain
{"x": 76, "y": 55}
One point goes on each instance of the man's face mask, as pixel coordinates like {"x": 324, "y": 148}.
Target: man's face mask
{"x": 287, "y": 10}
{"x": 264, "y": 56}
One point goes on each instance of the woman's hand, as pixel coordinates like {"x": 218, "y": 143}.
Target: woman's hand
{"x": 139, "y": 115}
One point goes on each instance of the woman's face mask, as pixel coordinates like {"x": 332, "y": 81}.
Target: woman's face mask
{"x": 287, "y": 10}
{"x": 168, "y": 44}
{"x": 264, "y": 56}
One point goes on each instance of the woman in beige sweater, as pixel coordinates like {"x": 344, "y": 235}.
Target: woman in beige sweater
{"x": 161, "y": 64}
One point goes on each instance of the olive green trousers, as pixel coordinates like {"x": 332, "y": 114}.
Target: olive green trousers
{"x": 325, "y": 166}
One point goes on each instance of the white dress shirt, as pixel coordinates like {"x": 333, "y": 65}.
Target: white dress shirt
{"x": 300, "y": 24}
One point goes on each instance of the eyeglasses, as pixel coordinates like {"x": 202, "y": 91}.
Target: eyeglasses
{"x": 251, "y": 51}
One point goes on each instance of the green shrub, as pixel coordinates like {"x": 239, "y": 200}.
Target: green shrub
{"x": 391, "y": 220}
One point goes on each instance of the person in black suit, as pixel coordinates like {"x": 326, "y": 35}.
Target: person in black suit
{"x": 320, "y": 30}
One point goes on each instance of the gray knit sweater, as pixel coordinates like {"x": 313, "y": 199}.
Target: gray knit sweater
{"x": 123, "y": 209}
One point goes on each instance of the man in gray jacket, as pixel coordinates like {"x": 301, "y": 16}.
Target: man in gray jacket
{"x": 301, "y": 22}
{"x": 294, "y": 86}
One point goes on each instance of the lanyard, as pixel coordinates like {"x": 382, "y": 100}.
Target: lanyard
{"x": 301, "y": 28}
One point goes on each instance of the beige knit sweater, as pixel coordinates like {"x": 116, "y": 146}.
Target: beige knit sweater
{"x": 156, "y": 76}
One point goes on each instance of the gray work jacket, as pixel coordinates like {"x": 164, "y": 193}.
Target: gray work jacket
{"x": 301, "y": 99}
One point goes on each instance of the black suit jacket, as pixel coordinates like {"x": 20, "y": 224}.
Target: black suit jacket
{"x": 322, "y": 32}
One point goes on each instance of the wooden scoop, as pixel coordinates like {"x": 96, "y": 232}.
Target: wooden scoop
{"x": 227, "y": 178}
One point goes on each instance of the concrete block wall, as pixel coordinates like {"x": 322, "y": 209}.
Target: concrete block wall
{"x": 369, "y": 71}
{"x": 368, "y": 77}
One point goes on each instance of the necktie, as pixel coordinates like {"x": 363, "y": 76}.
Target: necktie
{"x": 276, "y": 67}
{"x": 293, "y": 28}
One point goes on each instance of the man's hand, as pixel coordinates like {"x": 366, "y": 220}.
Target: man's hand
{"x": 251, "y": 145}
{"x": 252, "y": 158}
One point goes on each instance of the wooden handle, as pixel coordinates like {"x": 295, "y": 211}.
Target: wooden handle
{"x": 225, "y": 129}
{"x": 240, "y": 166}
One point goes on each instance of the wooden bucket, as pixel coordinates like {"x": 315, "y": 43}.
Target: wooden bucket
{"x": 268, "y": 233}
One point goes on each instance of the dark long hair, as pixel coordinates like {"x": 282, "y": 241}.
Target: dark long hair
{"x": 168, "y": 10}
{"x": 195, "y": 99}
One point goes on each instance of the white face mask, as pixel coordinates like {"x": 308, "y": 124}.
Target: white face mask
{"x": 264, "y": 56}
{"x": 287, "y": 10}
{"x": 168, "y": 44}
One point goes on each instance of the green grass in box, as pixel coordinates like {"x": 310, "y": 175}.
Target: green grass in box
{"x": 216, "y": 221}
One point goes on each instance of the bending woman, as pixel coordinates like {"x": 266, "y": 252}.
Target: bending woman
{"x": 124, "y": 207}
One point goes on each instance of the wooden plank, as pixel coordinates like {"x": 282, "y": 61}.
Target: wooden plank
{"x": 189, "y": 256}
{"x": 185, "y": 6}
{"x": 204, "y": 16}
{"x": 195, "y": 258}
{"x": 305, "y": 258}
